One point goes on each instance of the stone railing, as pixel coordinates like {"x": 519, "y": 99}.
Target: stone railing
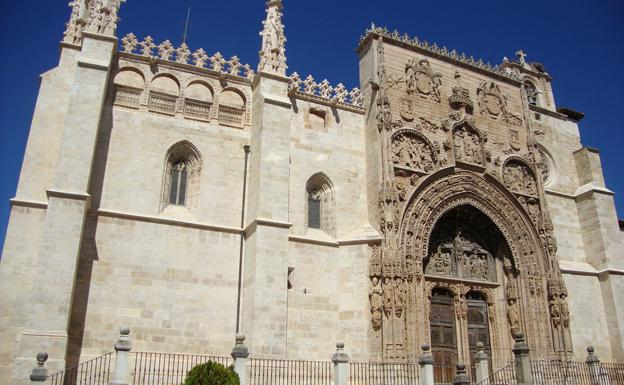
{"x": 325, "y": 93}
{"x": 183, "y": 55}
{"x": 436, "y": 49}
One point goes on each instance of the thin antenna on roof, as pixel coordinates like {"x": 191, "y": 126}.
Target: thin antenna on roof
{"x": 188, "y": 17}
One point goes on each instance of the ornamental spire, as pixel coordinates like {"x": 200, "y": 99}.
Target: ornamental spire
{"x": 96, "y": 16}
{"x": 273, "y": 53}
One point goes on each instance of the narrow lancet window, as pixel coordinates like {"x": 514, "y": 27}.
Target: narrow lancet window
{"x": 320, "y": 204}
{"x": 182, "y": 175}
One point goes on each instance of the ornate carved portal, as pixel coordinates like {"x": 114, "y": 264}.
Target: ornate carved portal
{"x": 453, "y": 218}
{"x": 468, "y": 234}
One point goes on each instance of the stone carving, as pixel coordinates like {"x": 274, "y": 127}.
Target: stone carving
{"x": 273, "y": 53}
{"x": 375, "y": 31}
{"x": 96, "y": 16}
{"x": 493, "y": 103}
{"x": 460, "y": 255}
{"x": 441, "y": 261}
{"x": 400, "y": 300}
{"x": 182, "y": 55}
{"x": 325, "y": 93}
{"x": 375, "y": 296}
{"x": 388, "y": 295}
{"x": 543, "y": 164}
{"x": 519, "y": 178}
{"x": 129, "y": 43}
{"x": 410, "y": 149}
{"x": 421, "y": 79}
{"x": 467, "y": 145}
{"x": 407, "y": 109}
{"x": 491, "y": 100}
{"x": 514, "y": 140}
{"x": 559, "y": 312}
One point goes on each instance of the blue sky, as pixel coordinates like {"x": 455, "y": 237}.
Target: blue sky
{"x": 579, "y": 42}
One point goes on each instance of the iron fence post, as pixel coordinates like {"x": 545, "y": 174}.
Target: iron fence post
{"x": 240, "y": 354}
{"x": 461, "y": 378}
{"x": 482, "y": 370}
{"x": 341, "y": 365}
{"x": 521, "y": 350}
{"x": 122, "y": 347}
{"x": 426, "y": 366}
{"x": 39, "y": 374}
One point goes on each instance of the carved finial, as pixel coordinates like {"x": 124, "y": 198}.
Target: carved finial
{"x": 521, "y": 56}
{"x": 273, "y": 53}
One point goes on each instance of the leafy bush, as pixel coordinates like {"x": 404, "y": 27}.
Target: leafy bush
{"x": 212, "y": 373}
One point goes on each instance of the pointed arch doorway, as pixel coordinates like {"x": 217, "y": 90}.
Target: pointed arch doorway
{"x": 464, "y": 270}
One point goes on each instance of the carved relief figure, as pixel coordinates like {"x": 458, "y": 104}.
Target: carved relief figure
{"x": 388, "y": 296}
{"x": 519, "y": 178}
{"x": 467, "y": 145}
{"x": 375, "y": 296}
{"x": 400, "y": 300}
{"x": 422, "y": 80}
{"x": 440, "y": 262}
{"x": 413, "y": 151}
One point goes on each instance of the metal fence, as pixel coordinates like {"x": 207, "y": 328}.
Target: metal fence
{"x": 262, "y": 371}
{"x": 97, "y": 371}
{"x": 443, "y": 374}
{"x": 576, "y": 373}
{"x": 166, "y": 368}
{"x": 383, "y": 373}
{"x": 503, "y": 376}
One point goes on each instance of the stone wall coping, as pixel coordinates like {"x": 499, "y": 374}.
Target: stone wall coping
{"x": 591, "y": 187}
{"x": 29, "y": 203}
{"x": 545, "y": 111}
{"x": 312, "y": 240}
{"x": 166, "y": 221}
{"x": 581, "y": 191}
{"x": 76, "y": 195}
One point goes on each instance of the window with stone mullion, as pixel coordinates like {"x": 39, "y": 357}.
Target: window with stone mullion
{"x": 179, "y": 184}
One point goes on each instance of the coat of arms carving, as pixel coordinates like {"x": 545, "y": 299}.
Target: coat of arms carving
{"x": 422, "y": 80}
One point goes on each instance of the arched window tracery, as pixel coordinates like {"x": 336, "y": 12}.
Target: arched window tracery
{"x": 182, "y": 169}
{"x": 320, "y": 204}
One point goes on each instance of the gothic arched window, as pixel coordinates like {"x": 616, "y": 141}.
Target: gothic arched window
{"x": 320, "y": 204}
{"x": 182, "y": 170}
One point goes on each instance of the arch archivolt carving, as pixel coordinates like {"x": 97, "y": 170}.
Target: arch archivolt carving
{"x": 430, "y": 202}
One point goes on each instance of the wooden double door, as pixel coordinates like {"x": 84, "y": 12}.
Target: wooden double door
{"x": 449, "y": 336}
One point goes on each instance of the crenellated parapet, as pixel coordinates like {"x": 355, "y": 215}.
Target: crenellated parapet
{"x": 325, "y": 93}
{"x": 183, "y": 55}
{"x": 436, "y": 50}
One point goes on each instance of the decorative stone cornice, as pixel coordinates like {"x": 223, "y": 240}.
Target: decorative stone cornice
{"x": 182, "y": 55}
{"x": 435, "y": 50}
{"x": 324, "y": 93}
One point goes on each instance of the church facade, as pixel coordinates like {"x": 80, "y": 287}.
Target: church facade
{"x": 445, "y": 201}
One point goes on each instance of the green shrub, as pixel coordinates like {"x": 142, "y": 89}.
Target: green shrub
{"x": 212, "y": 373}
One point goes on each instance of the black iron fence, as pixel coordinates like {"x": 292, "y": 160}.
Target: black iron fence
{"x": 98, "y": 371}
{"x": 166, "y": 368}
{"x": 171, "y": 369}
{"x": 373, "y": 373}
{"x": 576, "y": 373}
{"x": 262, "y": 371}
{"x": 506, "y": 375}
